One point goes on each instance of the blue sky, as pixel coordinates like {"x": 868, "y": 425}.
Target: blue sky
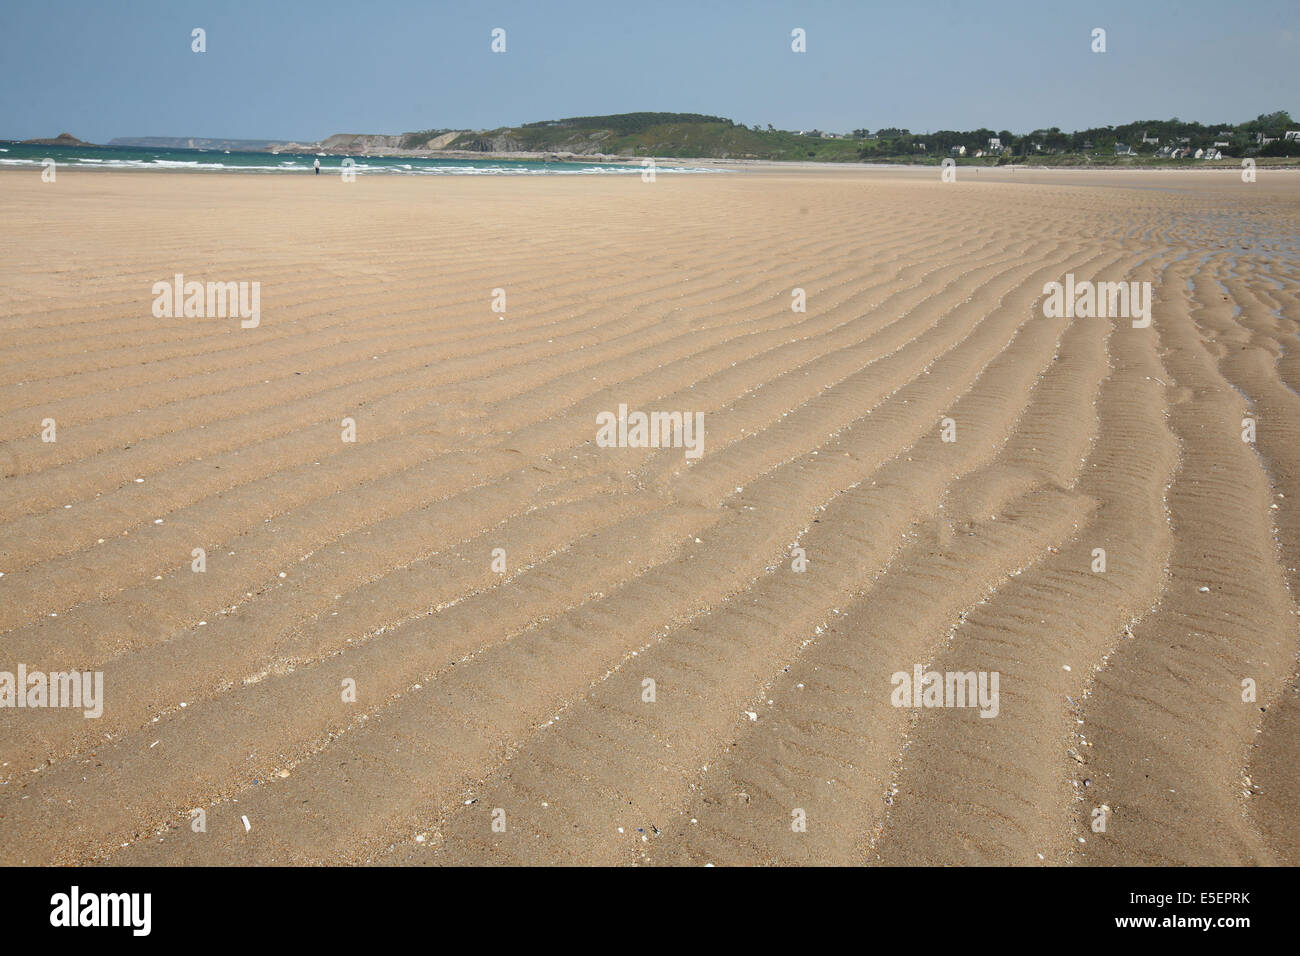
{"x": 285, "y": 69}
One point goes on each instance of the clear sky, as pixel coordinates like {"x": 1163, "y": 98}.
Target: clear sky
{"x": 286, "y": 69}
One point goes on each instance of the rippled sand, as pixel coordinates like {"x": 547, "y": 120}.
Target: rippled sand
{"x": 524, "y": 692}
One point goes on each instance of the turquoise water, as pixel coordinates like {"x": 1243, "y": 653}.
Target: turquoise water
{"x": 214, "y": 160}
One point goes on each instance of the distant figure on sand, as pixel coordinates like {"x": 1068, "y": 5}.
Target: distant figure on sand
{"x": 317, "y": 165}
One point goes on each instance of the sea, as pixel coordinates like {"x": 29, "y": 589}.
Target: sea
{"x": 222, "y": 161}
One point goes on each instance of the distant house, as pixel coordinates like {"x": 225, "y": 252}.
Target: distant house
{"x": 995, "y": 144}
{"x": 1292, "y": 136}
{"x": 1151, "y": 140}
{"x": 1165, "y": 151}
{"x": 1123, "y": 149}
{"x": 1263, "y": 140}
{"x": 958, "y": 151}
{"x": 1222, "y": 143}
{"x": 1087, "y": 144}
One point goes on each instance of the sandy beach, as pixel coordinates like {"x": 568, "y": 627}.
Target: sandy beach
{"x": 477, "y": 635}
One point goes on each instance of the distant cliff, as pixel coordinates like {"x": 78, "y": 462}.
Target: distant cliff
{"x": 432, "y": 139}
{"x": 629, "y": 136}
{"x": 624, "y": 135}
{"x": 195, "y": 142}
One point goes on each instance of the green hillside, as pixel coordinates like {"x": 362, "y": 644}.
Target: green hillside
{"x": 687, "y": 135}
{"x": 659, "y": 134}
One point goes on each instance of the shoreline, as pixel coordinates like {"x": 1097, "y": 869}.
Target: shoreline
{"x": 707, "y": 163}
{"x": 671, "y": 167}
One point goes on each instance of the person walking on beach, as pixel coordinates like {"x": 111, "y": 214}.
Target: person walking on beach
{"x": 317, "y": 165}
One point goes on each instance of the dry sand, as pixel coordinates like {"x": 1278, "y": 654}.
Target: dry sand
{"x": 523, "y": 692}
